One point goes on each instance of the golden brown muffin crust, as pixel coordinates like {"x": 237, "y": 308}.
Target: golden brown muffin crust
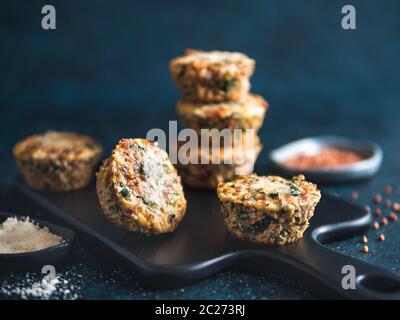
{"x": 247, "y": 113}
{"x": 212, "y": 76}
{"x": 270, "y": 209}
{"x": 57, "y": 161}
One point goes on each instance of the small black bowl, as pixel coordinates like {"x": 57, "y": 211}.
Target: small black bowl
{"x": 49, "y": 255}
{"x": 364, "y": 169}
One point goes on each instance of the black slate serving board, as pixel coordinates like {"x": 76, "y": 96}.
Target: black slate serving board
{"x": 202, "y": 245}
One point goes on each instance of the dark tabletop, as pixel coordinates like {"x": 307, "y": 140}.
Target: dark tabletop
{"x": 104, "y": 72}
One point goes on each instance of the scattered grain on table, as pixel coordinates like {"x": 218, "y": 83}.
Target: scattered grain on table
{"x": 354, "y": 195}
{"x": 388, "y": 189}
{"x": 393, "y": 217}
{"x": 377, "y": 212}
{"x": 364, "y": 239}
{"x": 378, "y": 199}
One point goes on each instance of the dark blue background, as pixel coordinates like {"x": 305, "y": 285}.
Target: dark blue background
{"x": 104, "y": 72}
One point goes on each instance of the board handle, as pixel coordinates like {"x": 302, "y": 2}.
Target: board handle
{"x": 348, "y": 277}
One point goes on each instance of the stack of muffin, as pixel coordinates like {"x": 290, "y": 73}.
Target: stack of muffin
{"x": 215, "y": 90}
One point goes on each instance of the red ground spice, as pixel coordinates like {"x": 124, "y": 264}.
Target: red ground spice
{"x": 327, "y": 158}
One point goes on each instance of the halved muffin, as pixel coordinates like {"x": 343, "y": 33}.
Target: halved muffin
{"x": 57, "y": 161}
{"x": 139, "y": 188}
{"x": 212, "y": 76}
{"x": 268, "y": 209}
{"x": 247, "y": 113}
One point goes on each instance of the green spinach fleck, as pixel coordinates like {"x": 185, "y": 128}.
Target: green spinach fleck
{"x": 149, "y": 203}
{"x": 125, "y": 192}
{"x": 258, "y": 227}
{"x": 294, "y": 189}
{"x": 141, "y": 169}
{"x": 273, "y": 195}
{"x": 226, "y": 85}
{"x": 181, "y": 70}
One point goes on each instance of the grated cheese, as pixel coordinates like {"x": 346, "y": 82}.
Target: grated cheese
{"x": 18, "y": 235}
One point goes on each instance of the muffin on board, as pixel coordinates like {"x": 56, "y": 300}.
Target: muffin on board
{"x": 57, "y": 161}
{"x": 212, "y": 76}
{"x": 247, "y": 113}
{"x": 139, "y": 189}
{"x": 268, "y": 209}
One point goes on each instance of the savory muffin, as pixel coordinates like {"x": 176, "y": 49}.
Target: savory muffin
{"x": 247, "y": 113}
{"x": 219, "y": 164}
{"x": 57, "y": 161}
{"x": 208, "y": 176}
{"x": 139, "y": 189}
{"x": 212, "y": 76}
{"x": 269, "y": 209}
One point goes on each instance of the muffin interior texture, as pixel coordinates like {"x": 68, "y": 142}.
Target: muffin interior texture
{"x": 139, "y": 188}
